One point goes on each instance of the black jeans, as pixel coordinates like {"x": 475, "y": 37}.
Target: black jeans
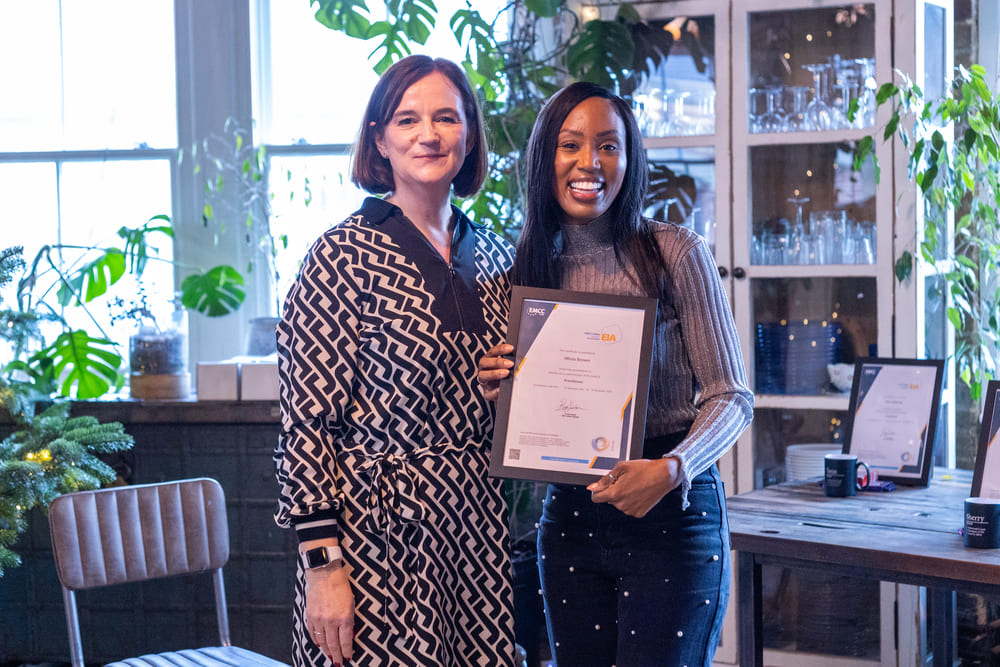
{"x": 635, "y": 592}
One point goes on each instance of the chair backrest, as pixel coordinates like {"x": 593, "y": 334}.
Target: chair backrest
{"x": 134, "y": 533}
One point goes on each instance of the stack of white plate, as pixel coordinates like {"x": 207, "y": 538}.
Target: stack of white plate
{"x": 806, "y": 460}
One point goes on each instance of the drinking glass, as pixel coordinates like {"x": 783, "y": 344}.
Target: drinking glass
{"x": 773, "y": 119}
{"x": 677, "y": 123}
{"x": 757, "y": 108}
{"x": 795, "y": 121}
{"x": 819, "y": 116}
{"x": 866, "y": 91}
{"x": 798, "y": 244}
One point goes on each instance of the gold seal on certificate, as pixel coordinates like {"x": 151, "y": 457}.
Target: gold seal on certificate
{"x": 575, "y": 403}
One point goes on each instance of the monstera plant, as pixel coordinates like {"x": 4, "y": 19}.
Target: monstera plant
{"x": 82, "y": 363}
{"x": 542, "y": 46}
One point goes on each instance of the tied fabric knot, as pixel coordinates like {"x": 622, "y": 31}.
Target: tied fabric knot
{"x": 393, "y": 497}
{"x": 392, "y": 493}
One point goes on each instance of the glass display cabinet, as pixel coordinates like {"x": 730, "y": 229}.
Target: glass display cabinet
{"x": 750, "y": 125}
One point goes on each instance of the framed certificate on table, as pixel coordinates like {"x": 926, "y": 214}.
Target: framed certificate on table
{"x": 575, "y": 402}
{"x": 986, "y": 477}
{"x": 893, "y": 417}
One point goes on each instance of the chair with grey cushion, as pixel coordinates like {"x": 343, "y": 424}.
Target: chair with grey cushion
{"x": 136, "y": 533}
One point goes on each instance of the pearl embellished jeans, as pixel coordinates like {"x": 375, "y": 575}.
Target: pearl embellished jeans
{"x": 635, "y": 592}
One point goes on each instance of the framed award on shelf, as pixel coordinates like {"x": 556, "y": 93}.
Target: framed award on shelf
{"x": 575, "y": 402}
{"x": 893, "y": 417}
{"x": 986, "y": 477}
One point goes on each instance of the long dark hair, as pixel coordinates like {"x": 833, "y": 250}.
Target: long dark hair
{"x": 370, "y": 171}
{"x": 535, "y": 264}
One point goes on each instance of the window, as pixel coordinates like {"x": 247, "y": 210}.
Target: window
{"x": 87, "y": 128}
{"x": 310, "y": 94}
{"x": 96, "y": 114}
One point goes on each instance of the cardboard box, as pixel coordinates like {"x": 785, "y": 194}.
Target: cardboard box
{"x": 259, "y": 379}
{"x": 218, "y": 380}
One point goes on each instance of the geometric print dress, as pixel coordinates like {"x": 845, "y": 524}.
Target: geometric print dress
{"x": 384, "y": 429}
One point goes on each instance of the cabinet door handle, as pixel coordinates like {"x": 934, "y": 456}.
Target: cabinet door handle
{"x": 739, "y": 273}
{"x": 723, "y": 272}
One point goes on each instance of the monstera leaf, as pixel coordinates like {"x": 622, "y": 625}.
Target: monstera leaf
{"x": 603, "y": 53}
{"x": 347, "y": 16}
{"x": 76, "y": 360}
{"x": 137, "y": 248}
{"x": 545, "y": 8}
{"x": 217, "y": 292}
{"x": 93, "y": 279}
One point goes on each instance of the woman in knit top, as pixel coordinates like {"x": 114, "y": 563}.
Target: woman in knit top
{"x": 635, "y": 567}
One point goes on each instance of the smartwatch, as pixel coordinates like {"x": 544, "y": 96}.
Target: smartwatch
{"x": 321, "y": 556}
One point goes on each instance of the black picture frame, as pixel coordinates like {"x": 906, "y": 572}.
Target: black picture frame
{"x": 903, "y": 403}
{"x": 983, "y": 485}
{"x": 522, "y": 335}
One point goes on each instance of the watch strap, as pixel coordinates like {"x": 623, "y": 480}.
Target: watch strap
{"x": 321, "y": 556}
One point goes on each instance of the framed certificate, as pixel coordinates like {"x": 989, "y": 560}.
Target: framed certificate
{"x": 575, "y": 403}
{"x": 893, "y": 417}
{"x": 986, "y": 478}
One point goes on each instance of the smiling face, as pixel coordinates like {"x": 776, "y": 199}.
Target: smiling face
{"x": 590, "y": 160}
{"x": 427, "y": 138}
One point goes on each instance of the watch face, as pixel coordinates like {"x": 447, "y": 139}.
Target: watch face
{"x": 317, "y": 557}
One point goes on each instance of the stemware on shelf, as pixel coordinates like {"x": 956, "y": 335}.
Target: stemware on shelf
{"x": 773, "y": 119}
{"x": 819, "y": 115}
{"x": 677, "y": 121}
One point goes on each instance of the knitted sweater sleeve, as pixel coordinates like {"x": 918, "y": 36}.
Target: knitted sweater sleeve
{"x": 724, "y": 399}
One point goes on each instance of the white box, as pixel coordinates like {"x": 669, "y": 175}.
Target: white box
{"x": 259, "y": 379}
{"x": 218, "y": 380}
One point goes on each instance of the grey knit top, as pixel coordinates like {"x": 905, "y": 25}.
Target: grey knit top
{"x": 697, "y": 380}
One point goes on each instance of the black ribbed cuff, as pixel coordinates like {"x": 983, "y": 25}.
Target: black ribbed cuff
{"x": 319, "y": 525}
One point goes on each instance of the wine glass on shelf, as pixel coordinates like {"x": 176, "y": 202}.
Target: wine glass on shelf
{"x": 639, "y": 111}
{"x": 867, "y": 88}
{"x": 819, "y": 116}
{"x": 773, "y": 119}
{"x": 654, "y": 112}
{"x": 795, "y": 121}
{"x": 757, "y": 108}
{"x": 705, "y": 118}
{"x": 677, "y": 123}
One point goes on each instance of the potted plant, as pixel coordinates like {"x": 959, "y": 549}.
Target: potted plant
{"x": 87, "y": 364}
{"x": 49, "y": 453}
{"x": 960, "y": 177}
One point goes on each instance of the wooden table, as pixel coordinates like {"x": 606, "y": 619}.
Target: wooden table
{"x": 907, "y": 536}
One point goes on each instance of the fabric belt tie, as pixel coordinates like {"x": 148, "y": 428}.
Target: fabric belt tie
{"x": 393, "y": 498}
{"x": 392, "y": 493}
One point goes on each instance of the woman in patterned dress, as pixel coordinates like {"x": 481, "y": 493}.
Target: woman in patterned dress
{"x": 635, "y": 567}
{"x": 383, "y": 453}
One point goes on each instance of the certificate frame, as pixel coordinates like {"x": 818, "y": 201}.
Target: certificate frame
{"x": 525, "y": 331}
{"x": 892, "y": 419}
{"x": 988, "y": 451}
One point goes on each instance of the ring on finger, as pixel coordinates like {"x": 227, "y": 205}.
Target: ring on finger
{"x": 611, "y": 477}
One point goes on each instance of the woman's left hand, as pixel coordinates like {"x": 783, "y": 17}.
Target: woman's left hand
{"x": 635, "y": 487}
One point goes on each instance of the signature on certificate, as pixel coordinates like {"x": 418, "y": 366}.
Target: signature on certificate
{"x": 569, "y": 409}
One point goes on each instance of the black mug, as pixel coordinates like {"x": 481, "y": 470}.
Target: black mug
{"x": 982, "y": 523}
{"x": 840, "y": 475}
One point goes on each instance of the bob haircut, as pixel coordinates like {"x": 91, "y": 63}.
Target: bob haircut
{"x": 535, "y": 262}
{"x": 371, "y": 171}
